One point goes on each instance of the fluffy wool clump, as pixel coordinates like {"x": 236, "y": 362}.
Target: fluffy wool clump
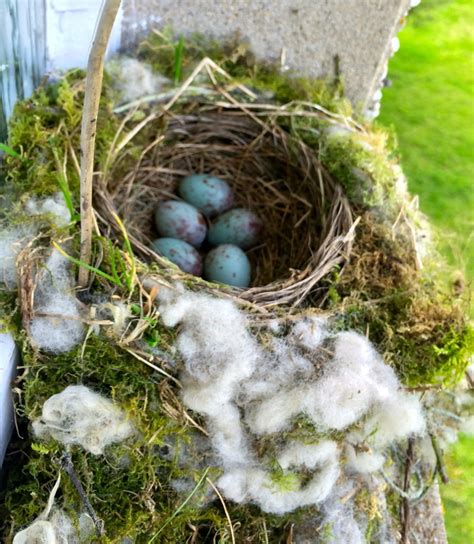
{"x": 57, "y": 326}
{"x": 134, "y": 79}
{"x": 247, "y": 390}
{"x": 58, "y": 529}
{"x": 353, "y": 382}
{"x": 54, "y": 526}
{"x": 341, "y": 523}
{"x": 13, "y": 240}
{"x": 219, "y": 353}
{"x": 254, "y": 484}
{"x": 77, "y": 415}
{"x": 53, "y": 206}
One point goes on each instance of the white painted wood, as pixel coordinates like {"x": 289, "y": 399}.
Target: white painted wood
{"x": 22, "y": 52}
{"x": 9, "y": 358}
{"x": 69, "y": 29}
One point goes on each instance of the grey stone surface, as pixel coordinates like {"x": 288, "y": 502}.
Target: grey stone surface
{"x": 309, "y": 33}
{"x": 427, "y": 519}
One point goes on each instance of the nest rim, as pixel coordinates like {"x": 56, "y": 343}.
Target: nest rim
{"x": 263, "y": 122}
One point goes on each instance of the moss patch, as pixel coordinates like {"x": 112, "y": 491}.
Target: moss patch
{"x": 411, "y": 315}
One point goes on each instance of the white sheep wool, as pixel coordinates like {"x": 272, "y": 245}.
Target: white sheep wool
{"x": 247, "y": 391}
{"x": 56, "y": 326}
{"x": 80, "y": 416}
{"x": 14, "y": 239}
{"x": 59, "y": 529}
{"x": 53, "y": 206}
{"x": 134, "y": 79}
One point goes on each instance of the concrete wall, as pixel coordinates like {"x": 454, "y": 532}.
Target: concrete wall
{"x": 306, "y": 35}
{"x": 303, "y": 35}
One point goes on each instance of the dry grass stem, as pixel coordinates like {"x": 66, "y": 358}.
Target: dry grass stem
{"x": 95, "y": 69}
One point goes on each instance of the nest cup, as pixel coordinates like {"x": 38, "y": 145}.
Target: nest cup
{"x": 307, "y": 219}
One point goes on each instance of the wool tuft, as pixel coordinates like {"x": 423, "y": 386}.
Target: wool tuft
{"x": 39, "y": 532}
{"x": 254, "y": 485}
{"x": 401, "y": 417}
{"x": 343, "y": 526}
{"x": 134, "y": 79}
{"x": 57, "y": 529}
{"x": 80, "y": 416}
{"x": 247, "y": 390}
{"x": 297, "y": 454}
{"x": 53, "y": 206}
{"x": 309, "y": 332}
{"x": 61, "y": 327}
{"x": 363, "y": 460}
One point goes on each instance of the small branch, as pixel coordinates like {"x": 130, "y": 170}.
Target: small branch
{"x": 406, "y": 488}
{"x": 68, "y": 467}
{"x": 440, "y": 466}
{"x": 95, "y": 69}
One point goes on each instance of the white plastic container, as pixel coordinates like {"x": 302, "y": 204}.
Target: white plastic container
{"x": 9, "y": 358}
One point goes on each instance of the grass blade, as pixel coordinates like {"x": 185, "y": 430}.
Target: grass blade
{"x": 130, "y": 277}
{"x": 64, "y": 186}
{"x": 80, "y": 263}
{"x": 9, "y": 151}
{"x": 113, "y": 261}
{"x": 182, "y": 505}
{"x": 178, "y": 60}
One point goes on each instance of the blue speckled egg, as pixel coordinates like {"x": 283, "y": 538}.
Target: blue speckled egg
{"x": 240, "y": 227}
{"x": 209, "y": 194}
{"x": 180, "y": 220}
{"x": 180, "y": 253}
{"x": 227, "y": 264}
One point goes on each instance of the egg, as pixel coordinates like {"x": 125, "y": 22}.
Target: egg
{"x": 240, "y": 227}
{"x": 175, "y": 219}
{"x": 180, "y": 253}
{"x": 209, "y": 194}
{"x": 227, "y": 264}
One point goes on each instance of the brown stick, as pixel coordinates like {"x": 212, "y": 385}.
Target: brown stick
{"x": 95, "y": 68}
{"x": 440, "y": 466}
{"x": 406, "y": 487}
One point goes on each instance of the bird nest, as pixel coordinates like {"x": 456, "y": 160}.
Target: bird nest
{"x": 308, "y": 223}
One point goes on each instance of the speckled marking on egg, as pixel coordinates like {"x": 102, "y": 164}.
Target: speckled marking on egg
{"x": 228, "y": 264}
{"x": 175, "y": 219}
{"x": 239, "y": 227}
{"x": 209, "y": 194}
{"x": 180, "y": 253}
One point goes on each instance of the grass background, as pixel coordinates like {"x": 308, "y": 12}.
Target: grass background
{"x": 431, "y": 106}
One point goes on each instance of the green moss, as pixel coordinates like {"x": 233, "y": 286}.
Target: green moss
{"x": 130, "y": 487}
{"x": 237, "y": 60}
{"x": 365, "y": 174}
{"x": 418, "y": 327}
{"x": 414, "y": 317}
{"x": 44, "y": 130}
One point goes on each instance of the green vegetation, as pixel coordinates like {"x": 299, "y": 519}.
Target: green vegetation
{"x": 458, "y": 495}
{"x": 380, "y": 293}
{"x": 431, "y": 107}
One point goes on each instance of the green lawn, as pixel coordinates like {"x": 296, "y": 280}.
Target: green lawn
{"x": 458, "y": 495}
{"x": 431, "y": 106}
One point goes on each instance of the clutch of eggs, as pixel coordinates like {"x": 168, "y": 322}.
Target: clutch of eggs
{"x": 183, "y": 228}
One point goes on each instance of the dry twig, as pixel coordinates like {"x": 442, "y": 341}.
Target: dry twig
{"x": 95, "y": 68}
